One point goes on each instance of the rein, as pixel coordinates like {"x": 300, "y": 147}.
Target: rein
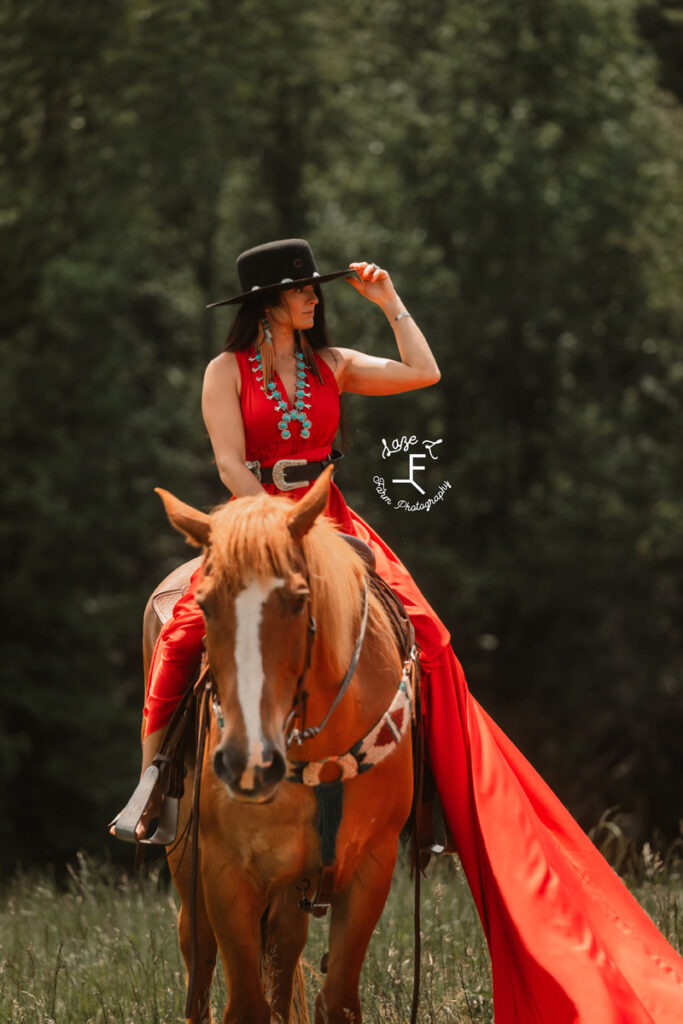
{"x": 301, "y": 695}
{"x": 203, "y": 689}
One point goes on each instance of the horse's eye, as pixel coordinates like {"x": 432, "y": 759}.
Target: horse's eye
{"x": 206, "y": 612}
{"x": 299, "y": 603}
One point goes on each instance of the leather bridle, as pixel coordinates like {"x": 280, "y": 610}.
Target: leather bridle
{"x": 300, "y": 698}
{"x": 300, "y": 701}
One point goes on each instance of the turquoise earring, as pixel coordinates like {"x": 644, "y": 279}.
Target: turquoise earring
{"x": 267, "y": 330}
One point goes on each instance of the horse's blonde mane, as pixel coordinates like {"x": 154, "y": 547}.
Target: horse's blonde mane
{"x": 250, "y": 538}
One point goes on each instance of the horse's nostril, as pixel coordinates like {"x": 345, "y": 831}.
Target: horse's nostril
{"x": 219, "y": 765}
{"x": 243, "y": 777}
{"x": 275, "y": 771}
{"x": 227, "y": 765}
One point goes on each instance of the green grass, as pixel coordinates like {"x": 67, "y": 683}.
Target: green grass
{"x": 102, "y": 949}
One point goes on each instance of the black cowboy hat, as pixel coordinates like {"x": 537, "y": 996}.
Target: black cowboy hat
{"x": 272, "y": 267}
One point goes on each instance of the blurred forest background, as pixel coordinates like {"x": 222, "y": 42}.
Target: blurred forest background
{"x": 516, "y": 164}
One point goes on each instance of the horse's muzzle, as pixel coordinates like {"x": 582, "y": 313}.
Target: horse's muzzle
{"x": 252, "y": 783}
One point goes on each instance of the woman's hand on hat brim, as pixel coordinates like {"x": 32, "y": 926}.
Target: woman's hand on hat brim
{"x": 373, "y": 283}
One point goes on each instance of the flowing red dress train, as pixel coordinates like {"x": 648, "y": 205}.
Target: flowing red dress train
{"x": 568, "y": 942}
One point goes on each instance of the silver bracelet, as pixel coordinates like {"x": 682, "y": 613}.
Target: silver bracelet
{"x": 401, "y": 316}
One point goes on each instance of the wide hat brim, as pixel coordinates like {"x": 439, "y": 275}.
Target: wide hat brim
{"x": 273, "y": 289}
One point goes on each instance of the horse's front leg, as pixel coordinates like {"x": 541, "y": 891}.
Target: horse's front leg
{"x": 355, "y": 912}
{"x": 235, "y": 908}
{"x": 285, "y": 939}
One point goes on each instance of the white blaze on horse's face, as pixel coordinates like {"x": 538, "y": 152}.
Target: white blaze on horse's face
{"x": 249, "y": 663}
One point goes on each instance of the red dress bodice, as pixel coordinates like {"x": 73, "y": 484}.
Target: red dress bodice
{"x": 264, "y": 442}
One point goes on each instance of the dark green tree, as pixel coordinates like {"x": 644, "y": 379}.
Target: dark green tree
{"x": 536, "y": 239}
{"x": 517, "y": 168}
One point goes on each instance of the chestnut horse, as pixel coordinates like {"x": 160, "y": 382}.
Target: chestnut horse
{"x": 271, "y": 566}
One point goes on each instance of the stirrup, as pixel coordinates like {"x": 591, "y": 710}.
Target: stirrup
{"x": 127, "y": 821}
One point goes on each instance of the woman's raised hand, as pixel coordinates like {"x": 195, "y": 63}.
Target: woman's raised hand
{"x": 374, "y": 284}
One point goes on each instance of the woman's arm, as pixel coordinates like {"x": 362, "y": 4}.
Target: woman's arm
{"x": 223, "y": 419}
{"x": 371, "y": 375}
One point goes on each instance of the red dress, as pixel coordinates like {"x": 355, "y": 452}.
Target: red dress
{"x": 568, "y": 943}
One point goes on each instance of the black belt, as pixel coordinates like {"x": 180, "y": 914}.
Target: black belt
{"x": 288, "y": 474}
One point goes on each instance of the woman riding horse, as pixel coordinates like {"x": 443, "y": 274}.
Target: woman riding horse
{"x": 568, "y": 943}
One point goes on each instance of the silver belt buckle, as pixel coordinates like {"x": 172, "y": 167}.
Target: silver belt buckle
{"x": 255, "y": 468}
{"x": 279, "y": 474}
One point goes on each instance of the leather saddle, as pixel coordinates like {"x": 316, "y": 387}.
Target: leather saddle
{"x": 171, "y": 589}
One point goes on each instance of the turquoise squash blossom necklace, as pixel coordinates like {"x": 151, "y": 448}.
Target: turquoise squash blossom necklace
{"x": 296, "y": 413}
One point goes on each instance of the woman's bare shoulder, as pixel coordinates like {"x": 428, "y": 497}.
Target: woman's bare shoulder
{"x": 222, "y": 370}
{"x": 224, "y": 362}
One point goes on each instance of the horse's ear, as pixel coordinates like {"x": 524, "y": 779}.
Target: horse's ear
{"x": 194, "y": 524}
{"x": 308, "y": 508}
